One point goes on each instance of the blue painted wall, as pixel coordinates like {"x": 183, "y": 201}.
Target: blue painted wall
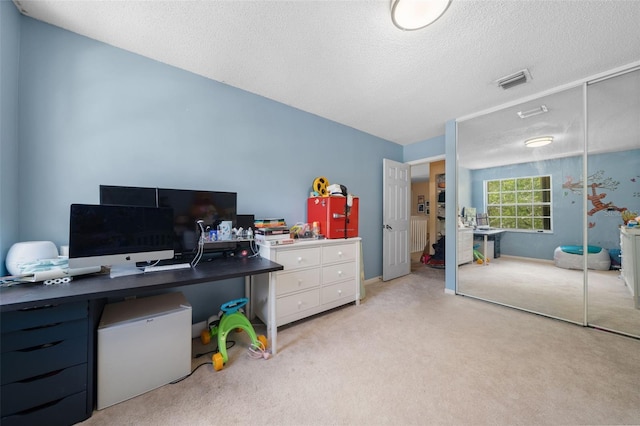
{"x": 451, "y": 211}
{"x": 428, "y": 148}
{"x": 92, "y": 114}
{"x": 9, "y": 54}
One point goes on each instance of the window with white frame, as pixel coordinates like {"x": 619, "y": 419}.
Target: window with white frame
{"x": 520, "y": 204}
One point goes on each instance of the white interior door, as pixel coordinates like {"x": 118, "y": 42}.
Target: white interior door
{"x": 396, "y": 260}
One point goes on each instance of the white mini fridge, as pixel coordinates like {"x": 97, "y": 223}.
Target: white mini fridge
{"x": 142, "y": 344}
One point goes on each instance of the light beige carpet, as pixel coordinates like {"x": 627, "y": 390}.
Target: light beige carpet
{"x": 408, "y": 355}
{"x": 542, "y": 287}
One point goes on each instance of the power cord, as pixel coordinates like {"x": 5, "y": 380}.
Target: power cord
{"x": 189, "y": 375}
{"x": 255, "y": 351}
{"x": 258, "y": 351}
{"x": 254, "y": 248}
{"x": 230, "y": 344}
{"x": 198, "y": 255}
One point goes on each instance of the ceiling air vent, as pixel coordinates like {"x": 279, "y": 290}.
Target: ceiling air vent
{"x": 515, "y": 79}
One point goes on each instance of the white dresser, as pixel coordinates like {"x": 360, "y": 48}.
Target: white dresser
{"x": 630, "y": 253}
{"x": 465, "y": 245}
{"x": 318, "y": 275}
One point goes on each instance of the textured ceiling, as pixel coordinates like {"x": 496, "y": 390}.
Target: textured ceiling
{"x": 345, "y": 61}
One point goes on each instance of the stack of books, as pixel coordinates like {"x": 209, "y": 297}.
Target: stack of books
{"x": 270, "y": 223}
{"x": 272, "y": 232}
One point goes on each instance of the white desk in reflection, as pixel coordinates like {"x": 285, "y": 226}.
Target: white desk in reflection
{"x": 495, "y": 234}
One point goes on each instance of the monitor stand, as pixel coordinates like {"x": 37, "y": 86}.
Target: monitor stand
{"x": 124, "y": 270}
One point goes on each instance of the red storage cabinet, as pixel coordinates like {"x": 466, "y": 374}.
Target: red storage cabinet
{"x": 329, "y": 212}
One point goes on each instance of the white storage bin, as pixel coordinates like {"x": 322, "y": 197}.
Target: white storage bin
{"x": 142, "y": 344}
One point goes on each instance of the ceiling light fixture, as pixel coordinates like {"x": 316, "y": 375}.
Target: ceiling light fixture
{"x": 409, "y": 15}
{"x": 536, "y": 111}
{"x": 539, "y": 141}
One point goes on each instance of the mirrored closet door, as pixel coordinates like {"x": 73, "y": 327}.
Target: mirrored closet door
{"x": 613, "y": 197}
{"x": 522, "y": 188}
{"x": 547, "y": 202}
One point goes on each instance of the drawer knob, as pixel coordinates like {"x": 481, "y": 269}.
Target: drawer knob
{"x": 299, "y": 259}
{"x": 339, "y": 254}
{"x": 339, "y": 291}
{"x": 339, "y": 273}
{"x": 299, "y": 283}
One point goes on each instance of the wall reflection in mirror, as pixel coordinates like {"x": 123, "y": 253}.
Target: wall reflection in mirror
{"x": 545, "y": 206}
{"x": 613, "y": 193}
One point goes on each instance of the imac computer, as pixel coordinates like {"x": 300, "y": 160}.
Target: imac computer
{"x": 119, "y": 236}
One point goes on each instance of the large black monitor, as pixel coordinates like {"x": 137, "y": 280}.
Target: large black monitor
{"x": 190, "y": 206}
{"x": 128, "y": 196}
{"x": 101, "y": 235}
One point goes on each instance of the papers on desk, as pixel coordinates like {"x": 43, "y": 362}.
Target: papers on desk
{"x": 49, "y": 271}
{"x": 54, "y": 274}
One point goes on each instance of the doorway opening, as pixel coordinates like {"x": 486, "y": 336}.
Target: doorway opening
{"x": 426, "y": 227}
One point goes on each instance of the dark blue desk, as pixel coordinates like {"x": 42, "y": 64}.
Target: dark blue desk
{"x": 48, "y": 335}
{"x": 88, "y": 287}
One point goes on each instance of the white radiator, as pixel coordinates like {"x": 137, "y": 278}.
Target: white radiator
{"x": 419, "y": 233}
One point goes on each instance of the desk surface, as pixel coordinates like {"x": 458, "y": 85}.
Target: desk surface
{"x": 492, "y": 231}
{"x": 98, "y": 286}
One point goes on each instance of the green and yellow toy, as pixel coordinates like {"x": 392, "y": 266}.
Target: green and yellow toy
{"x": 479, "y": 257}
{"x": 232, "y": 318}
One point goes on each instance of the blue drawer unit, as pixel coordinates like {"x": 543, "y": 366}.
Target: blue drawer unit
{"x": 45, "y": 365}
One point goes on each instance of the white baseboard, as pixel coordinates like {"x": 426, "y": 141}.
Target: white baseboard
{"x": 449, "y": 291}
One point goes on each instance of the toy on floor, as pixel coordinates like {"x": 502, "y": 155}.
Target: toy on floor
{"x": 479, "y": 257}
{"x": 571, "y": 257}
{"x": 232, "y": 318}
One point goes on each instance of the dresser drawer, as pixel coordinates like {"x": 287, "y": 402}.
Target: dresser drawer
{"x": 63, "y": 412}
{"x": 44, "y": 315}
{"x": 338, "y": 253}
{"x": 298, "y": 280}
{"x": 299, "y": 258}
{"x": 40, "y": 359}
{"x": 338, "y": 291}
{"x": 42, "y": 335}
{"x": 295, "y": 303}
{"x": 318, "y": 275}
{"x": 34, "y": 392}
{"x": 338, "y": 272}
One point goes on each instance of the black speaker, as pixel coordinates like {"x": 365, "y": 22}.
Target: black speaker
{"x": 245, "y": 221}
